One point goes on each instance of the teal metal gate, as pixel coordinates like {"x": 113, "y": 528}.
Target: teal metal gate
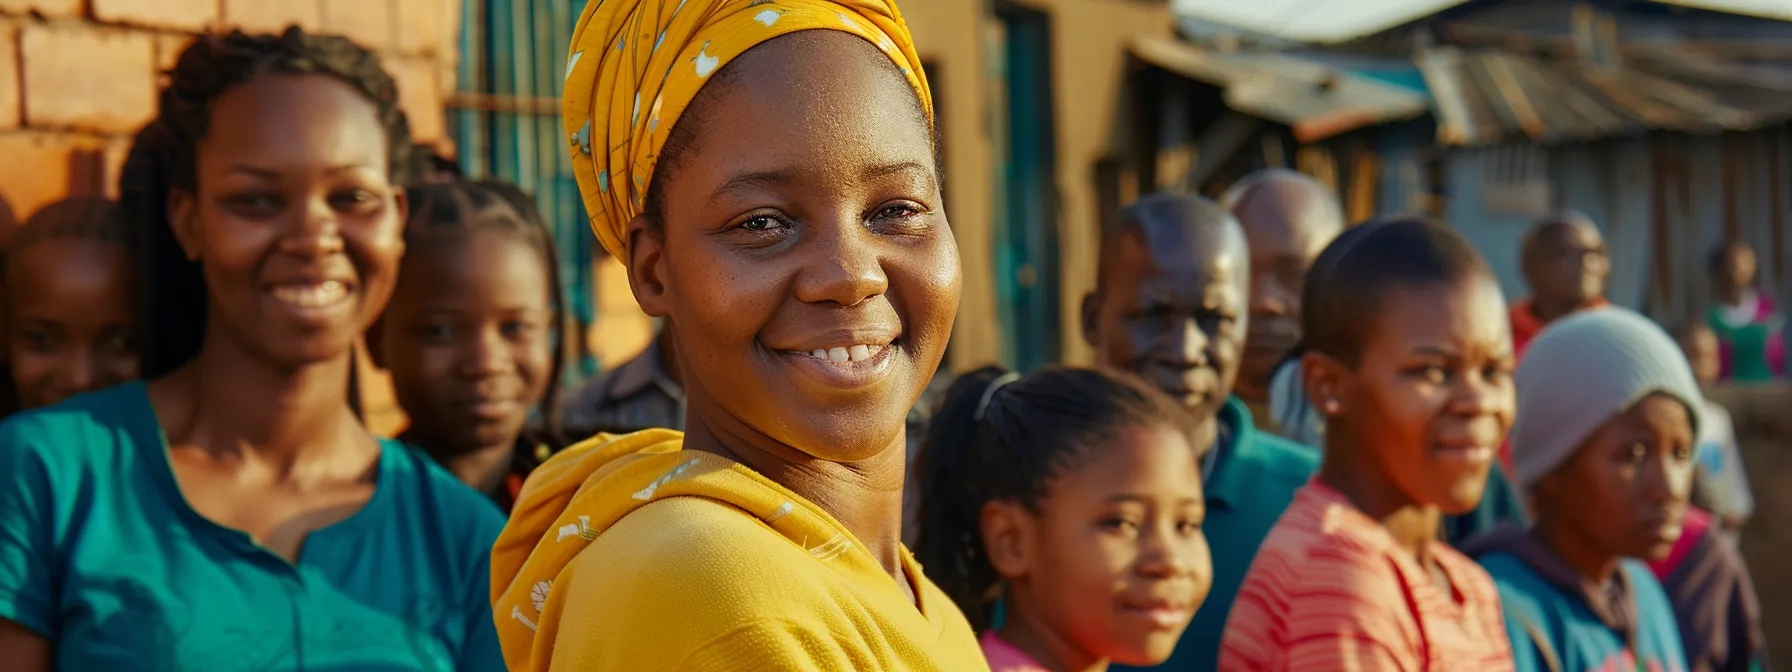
{"x": 505, "y": 118}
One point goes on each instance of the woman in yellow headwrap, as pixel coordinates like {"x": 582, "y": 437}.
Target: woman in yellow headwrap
{"x": 766, "y": 170}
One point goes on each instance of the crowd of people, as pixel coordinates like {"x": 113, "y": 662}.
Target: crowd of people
{"x": 1305, "y": 443}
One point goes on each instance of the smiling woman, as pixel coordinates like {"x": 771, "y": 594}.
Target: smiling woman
{"x": 766, "y": 171}
{"x": 238, "y": 483}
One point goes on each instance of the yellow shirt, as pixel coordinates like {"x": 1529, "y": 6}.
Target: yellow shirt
{"x": 628, "y": 554}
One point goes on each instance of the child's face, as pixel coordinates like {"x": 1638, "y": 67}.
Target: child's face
{"x": 1700, "y": 346}
{"x": 469, "y": 339}
{"x": 1625, "y": 490}
{"x": 294, "y": 220}
{"x": 1432, "y": 396}
{"x": 1173, "y": 309}
{"x": 806, "y": 261}
{"x": 1114, "y": 562}
{"x": 73, "y": 320}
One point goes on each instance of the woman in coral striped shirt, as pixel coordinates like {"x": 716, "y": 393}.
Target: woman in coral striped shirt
{"x": 1410, "y": 358}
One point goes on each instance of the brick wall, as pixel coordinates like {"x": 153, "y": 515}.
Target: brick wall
{"x": 79, "y": 77}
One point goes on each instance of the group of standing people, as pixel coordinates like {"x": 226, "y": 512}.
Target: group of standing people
{"x": 1292, "y": 453}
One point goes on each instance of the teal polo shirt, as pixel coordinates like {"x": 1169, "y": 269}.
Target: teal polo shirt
{"x": 101, "y": 554}
{"x": 1254, "y": 478}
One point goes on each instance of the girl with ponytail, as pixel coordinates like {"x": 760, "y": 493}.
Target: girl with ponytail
{"x": 1073, "y": 498}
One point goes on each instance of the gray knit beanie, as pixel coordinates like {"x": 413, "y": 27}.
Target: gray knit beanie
{"x": 1582, "y": 371}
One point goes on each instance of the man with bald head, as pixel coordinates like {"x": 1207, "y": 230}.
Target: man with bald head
{"x": 1171, "y": 304}
{"x": 1288, "y": 220}
{"x": 1564, "y": 262}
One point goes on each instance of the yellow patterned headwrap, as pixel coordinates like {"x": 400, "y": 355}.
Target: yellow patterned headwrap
{"x": 636, "y": 64}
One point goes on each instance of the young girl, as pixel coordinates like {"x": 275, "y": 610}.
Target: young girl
{"x": 1074, "y": 497}
{"x": 1409, "y": 356}
{"x": 766, "y": 172}
{"x": 232, "y": 511}
{"x": 71, "y": 286}
{"x": 469, "y": 337}
{"x": 1750, "y": 329}
{"x": 1603, "y": 445}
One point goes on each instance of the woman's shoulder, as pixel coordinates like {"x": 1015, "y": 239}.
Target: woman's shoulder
{"x": 419, "y": 483}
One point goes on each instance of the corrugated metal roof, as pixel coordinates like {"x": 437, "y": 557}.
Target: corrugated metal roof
{"x": 1487, "y": 97}
{"x": 1316, "y": 100}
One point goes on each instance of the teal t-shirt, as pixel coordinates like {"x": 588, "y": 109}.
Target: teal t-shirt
{"x": 102, "y": 555}
{"x": 1552, "y": 630}
{"x": 1254, "y": 478}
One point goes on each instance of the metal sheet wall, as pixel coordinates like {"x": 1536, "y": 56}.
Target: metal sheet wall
{"x": 506, "y": 122}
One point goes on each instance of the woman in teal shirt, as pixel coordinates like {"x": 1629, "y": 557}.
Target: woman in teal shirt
{"x": 233, "y": 513}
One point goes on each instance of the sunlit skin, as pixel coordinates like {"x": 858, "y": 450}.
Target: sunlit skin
{"x": 1413, "y": 428}
{"x": 1113, "y": 564}
{"x": 1172, "y": 309}
{"x": 468, "y": 340}
{"x": 1287, "y": 222}
{"x": 72, "y": 318}
{"x": 807, "y": 216}
{"x": 1624, "y": 492}
{"x": 1566, "y": 266}
{"x": 292, "y": 194}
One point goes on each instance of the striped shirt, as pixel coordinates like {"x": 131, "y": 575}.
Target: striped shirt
{"x": 1330, "y": 590}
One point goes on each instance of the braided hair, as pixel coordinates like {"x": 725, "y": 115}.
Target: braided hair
{"x": 999, "y": 436}
{"x": 452, "y": 212}
{"x": 79, "y": 218}
{"x": 161, "y": 161}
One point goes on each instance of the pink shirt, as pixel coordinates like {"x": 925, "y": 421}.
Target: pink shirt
{"x": 1331, "y": 590}
{"x": 1003, "y": 657}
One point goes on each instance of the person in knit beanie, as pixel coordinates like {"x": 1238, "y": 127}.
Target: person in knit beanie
{"x": 1608, "y": 412}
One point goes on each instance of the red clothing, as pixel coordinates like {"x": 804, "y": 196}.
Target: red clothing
{"x": 1003, "y": 657}
{"x": 1330, "y": 590}
{"x": 1526, "y": 325}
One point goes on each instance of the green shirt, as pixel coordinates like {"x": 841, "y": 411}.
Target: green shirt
{"x": 101, "y": 554}
{"x": 1254, "y": 477}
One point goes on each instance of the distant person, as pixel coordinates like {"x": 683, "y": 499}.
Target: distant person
{"x": 1410, "y": 358}
{"x": 470, "y": 336}
{"x": 1565, "y": 265}
{"x": 1750, "y": 329}
{"x": 1073, "y": 497}
{"x": 1714, "y": 597}
{"x": 1171, "y": 305}
{"x": 1288, "y": 220}
{"x": 1720, "y": 481}
{"x": 72, "y": 286}
{"x": 1603, "y": 445}
{"x": 232, "y": 510}
{"x": 644, "y": 392}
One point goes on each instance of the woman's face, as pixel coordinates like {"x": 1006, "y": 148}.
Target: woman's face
{"x": 1432, "y": 396}
{"x": 805, "y": 257}
{"x": 294, "y": 218}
